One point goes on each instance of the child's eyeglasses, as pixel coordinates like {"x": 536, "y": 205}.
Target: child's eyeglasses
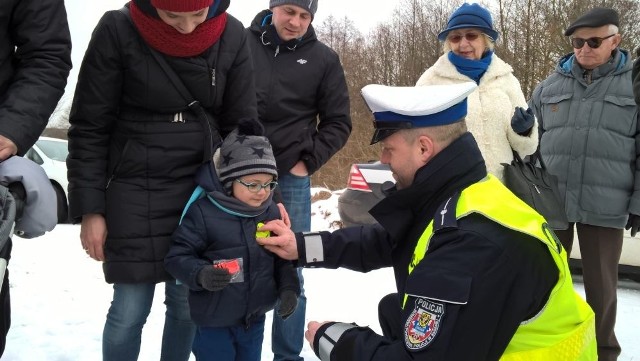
{"x": 594, "y": 43}
{"x": 457, "y": 37}
{"x": 256, "y": 187}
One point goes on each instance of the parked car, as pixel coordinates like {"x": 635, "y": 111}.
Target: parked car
{"x": 364, "y": 190}
{"x": 51, "y": 155}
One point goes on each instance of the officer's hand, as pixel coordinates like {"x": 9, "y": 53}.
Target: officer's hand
{"x": 284, "y": 215}
{"x": 282, "y": 241}
{"x": 633, "y": 224}
{"x": 288, "y": 304}
{"x": 312, "y": 328}
{"x": 522, "y": 121}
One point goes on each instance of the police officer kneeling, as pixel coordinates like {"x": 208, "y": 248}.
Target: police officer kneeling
{"x": 479, "y": 274}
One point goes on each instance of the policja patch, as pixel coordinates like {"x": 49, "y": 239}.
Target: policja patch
{"x": 423, "y": 323}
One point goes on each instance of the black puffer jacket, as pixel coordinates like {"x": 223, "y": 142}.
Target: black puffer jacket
{"x": 303, "y": 101}
{"x": 35, "y": 60}
{"x": 133, "y": 144}
{"x": 219, "y": 227}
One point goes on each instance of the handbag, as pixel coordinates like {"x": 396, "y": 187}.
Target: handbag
{"x": 537, "y": 188}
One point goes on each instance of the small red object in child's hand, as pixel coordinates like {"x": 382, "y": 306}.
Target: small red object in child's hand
{"x": 233, "y": 266}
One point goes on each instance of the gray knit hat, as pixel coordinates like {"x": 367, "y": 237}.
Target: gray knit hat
{"x": 244, "y": 151}
{"x": 309, "y": 5}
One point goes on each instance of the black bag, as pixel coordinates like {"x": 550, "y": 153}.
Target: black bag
{"x": 536, "y": 187}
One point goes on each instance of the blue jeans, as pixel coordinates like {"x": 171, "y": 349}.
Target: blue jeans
{"x": 236, "y": 343}
{"x": 287, "y": 337}
{"x": 128, "y": 313}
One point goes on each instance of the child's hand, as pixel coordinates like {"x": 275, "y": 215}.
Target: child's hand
{"x": 213, "y": 279}
{"x": 288, "y": 304}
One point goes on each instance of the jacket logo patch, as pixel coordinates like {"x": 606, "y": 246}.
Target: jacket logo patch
{"x": 302, "y": 61}
{"x": 423, "y": 324}
{"x": 554, "y": 108}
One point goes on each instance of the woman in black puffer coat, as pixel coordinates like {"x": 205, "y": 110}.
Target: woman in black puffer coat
{"x": 135, "y": 144}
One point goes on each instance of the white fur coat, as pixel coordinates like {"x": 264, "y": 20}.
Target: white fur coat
{"x": 490, "y": 109}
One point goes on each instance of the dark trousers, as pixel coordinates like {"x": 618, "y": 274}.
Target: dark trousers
{"x": 234, "y": 343}
{"x": 600, "y": 249}
{"x": 5, "y": 301}
{"x": 389, "y": 316}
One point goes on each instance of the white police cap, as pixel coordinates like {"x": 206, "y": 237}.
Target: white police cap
{"x": 396, "y": 108}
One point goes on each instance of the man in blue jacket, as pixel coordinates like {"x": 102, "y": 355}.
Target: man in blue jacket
{"x": 590, "y": 139}
{"x": 35, "y": 60}
{"x": 303, "y": 103}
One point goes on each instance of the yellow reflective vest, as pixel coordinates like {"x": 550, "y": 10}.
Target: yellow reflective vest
{"x": 564, "y": 330}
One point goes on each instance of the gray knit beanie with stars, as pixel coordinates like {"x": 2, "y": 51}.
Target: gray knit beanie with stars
{"x": 309, "y": 5}
{"x": 244, "y": 151}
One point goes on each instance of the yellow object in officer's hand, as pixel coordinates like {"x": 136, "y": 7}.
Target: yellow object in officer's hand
{"x": 261, "y": 234}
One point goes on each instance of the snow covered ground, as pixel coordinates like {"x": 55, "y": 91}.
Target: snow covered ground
{"x": 60, "y": 299}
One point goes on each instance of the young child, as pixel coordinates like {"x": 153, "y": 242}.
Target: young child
{"x": 233, "y": 281}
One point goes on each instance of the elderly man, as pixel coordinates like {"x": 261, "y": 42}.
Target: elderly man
{"x": 478, "y": 273}
{"x": 591, "y": 141}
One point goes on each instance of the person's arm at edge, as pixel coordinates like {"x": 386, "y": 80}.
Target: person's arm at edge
{"x": 635, "y": 77}
{"x": 634, "y": 201}
{"x": 43, "y": 63}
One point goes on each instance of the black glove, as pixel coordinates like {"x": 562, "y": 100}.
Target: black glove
{"x": 288, "y": 304}
{"x": 522, "y": 121}
{"x": 633, "y": 224}
{"x": 213, "y": 279}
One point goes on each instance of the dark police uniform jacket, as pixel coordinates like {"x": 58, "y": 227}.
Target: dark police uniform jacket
{"x": 498, "y": 277}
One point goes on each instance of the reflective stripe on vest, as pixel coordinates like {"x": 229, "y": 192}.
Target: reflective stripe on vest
{"x": 564, "y": 330}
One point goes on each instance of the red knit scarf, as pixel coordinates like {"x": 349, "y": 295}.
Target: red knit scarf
{"x": 168, "y": 40}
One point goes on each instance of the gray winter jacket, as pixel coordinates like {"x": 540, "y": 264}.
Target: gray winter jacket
{"x": 590, "y": 139}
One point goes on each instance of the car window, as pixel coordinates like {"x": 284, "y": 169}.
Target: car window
{"x": 54, "y": 150}
{"x": 34, "y": 156}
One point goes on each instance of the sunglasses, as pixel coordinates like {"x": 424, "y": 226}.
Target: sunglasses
{"x": 594, "y": 43}
{"x": 256, "y": 187}
{"x": 469, "y": 36}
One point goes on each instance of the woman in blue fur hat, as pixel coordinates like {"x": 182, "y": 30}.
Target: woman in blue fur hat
{"x": 497, "y": 110}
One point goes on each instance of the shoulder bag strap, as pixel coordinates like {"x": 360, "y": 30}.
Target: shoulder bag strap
{"x": 186, "y": 96}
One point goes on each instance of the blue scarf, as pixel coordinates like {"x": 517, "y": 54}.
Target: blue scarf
{"x": 474, "y": 69}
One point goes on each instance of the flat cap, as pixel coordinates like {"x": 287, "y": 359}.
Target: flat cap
{"x": 594, "y": 18}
